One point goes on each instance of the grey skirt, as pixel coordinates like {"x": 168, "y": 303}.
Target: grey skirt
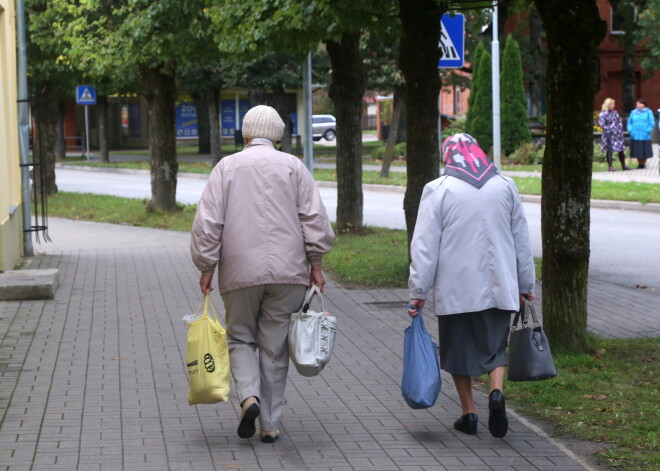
{"x": 473, "y": 343}
{"x": 641, "y": 149}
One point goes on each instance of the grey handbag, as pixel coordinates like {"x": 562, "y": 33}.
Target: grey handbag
{"x": 529, "y": 351}
{"x": 311, "y": 336}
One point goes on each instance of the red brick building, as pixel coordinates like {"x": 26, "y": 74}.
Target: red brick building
{"x": 647, "y": 85}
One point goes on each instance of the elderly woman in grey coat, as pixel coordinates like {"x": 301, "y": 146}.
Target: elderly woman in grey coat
{"x": 262, "y": 224}
{"x": 471, "y": 244}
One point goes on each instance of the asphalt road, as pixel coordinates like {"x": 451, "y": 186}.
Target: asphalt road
{"x": 625, "y": 245}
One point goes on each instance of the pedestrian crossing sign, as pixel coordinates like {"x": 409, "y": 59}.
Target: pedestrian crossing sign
{"x": 85, "y": 95}
{"x": 452, "y": 41}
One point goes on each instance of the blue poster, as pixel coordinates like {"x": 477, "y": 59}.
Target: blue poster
{"x": 293, "y": 122}
{"x": 228, "y": 117}
{"x": 186, "y": 120}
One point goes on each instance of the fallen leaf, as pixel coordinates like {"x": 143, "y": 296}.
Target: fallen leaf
{"x": 117, "y": 358}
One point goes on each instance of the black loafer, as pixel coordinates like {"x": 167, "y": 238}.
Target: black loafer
{"x": 249, "y": 413}
{"x": 498, "y": 424}
{"x": 467, "y": 424}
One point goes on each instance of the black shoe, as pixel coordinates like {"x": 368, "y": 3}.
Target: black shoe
{"x": 467, "y": 424}
{"x": 641, "y": 166}
{"x": 498, "y": 424}
{"x": 249, "y": 413}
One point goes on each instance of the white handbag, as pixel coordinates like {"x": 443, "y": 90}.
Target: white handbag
{"x": 311, "y": 336}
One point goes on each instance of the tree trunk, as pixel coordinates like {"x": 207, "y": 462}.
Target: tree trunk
{"x": 566, "y": 181}
{"x": 44, "y": 111}
{"x": 203, "y": 125}
{"x": 402, "y": 132}
{"x": 213, "y": 101}
{"x": 394, "y": 131}
{"x": 418, "y": 59}
{"x": 102, "y": 109}
{"x": 535, "y": 74}
{"x": 160, "y": 93}
{"x": 277, "y": 98}
{"x": 347, "y": 85}
{"x": 60, "y": 141}
{"x": 628, "y": 46}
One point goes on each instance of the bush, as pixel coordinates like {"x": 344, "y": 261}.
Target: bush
{"x": 377, "y": 153}
{"x": 457, "y": 126}
{"x": 599, "y": 155}
{"x": 400, "y": 150}
{"x": 526, "y": 154}
{"x": 515, "y": 125}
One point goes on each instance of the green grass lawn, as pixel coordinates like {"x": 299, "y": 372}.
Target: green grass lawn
{"x": 602, "y": 190}
{"x": 610, "y": 396}
{"x": 116, "y": 210}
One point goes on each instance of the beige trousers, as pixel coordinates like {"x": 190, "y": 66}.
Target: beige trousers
{"x": 258, "y": 318}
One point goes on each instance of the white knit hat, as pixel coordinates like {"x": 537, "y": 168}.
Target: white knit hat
{"x": 263, "y": 121}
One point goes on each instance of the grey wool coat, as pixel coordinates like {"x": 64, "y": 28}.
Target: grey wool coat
{"x": 472, "y": 246}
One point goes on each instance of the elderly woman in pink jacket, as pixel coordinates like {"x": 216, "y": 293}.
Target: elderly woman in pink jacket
{"x": 261, "y": 222}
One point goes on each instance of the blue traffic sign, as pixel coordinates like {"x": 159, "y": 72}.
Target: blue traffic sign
{"x": 452, "y": 41}
{"x": 85, "y": 95}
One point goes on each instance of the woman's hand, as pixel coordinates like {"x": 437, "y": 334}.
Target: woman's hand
{"x": 205, "y": 284}
{"x": 417, "y": 305}
{"x": 316, "y": 278}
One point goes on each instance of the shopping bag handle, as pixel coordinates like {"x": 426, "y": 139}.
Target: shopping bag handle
{"x": 419, "y": 315}
{"x": 522, "y": 316}
{"x": 314, "y": 289}
{"x": 205, "y": 301}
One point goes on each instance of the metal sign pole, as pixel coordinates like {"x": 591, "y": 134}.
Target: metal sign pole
{"x": 86, "y": 132}
{"x": 24, "y": 129}
{"x": 308, "y": 149}
{"x": 495, "y": 48}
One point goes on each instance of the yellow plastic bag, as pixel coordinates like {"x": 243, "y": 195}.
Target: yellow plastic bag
{"x": 207, "y": 358}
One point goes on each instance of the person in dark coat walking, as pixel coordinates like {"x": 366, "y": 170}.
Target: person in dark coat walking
{"x": 612, "y": 137}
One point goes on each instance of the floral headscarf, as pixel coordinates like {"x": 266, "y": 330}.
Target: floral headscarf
{"x": 465, "y": 160}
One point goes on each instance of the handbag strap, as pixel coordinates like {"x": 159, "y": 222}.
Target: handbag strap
{"x": 521, "y": 315}
{"x": 314, "y": 289}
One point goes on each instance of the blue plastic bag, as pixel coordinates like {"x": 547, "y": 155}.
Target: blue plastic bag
{"x": 421, "y": 381}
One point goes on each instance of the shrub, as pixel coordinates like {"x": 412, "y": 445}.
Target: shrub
{"x": 526, "y": 154}
{"x": 515, "y": 126}
{"x": 378, "y": 153}
{"x": 481, "y": 128}
{"x": 457, "y": 126}
{"x": 400, "y": 149}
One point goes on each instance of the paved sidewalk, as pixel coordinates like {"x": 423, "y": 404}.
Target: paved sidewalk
{"x": 96, "y": 379}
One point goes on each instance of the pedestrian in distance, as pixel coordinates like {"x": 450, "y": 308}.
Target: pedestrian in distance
{"x": 471, "y": 244}
{"x": 262, "y": 223}
{"x": 612, "y": 137}
{"x": 640, "y": 125}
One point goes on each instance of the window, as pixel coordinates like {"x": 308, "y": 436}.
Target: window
{"x": 617, "y": 20}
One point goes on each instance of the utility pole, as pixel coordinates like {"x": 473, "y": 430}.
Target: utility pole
{"x": 308, "y": 149}
{"x": 495, "y": 52}
{"x": 24, "y": 129}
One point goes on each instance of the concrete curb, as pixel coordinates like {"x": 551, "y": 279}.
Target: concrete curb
{"x": 602, "y": 204}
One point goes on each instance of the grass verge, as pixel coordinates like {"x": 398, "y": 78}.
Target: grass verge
{"x": 374, "y": 257}
{"x": 116, "y": 210}
{"x": 610, "y": 396}
{"x": 601, "y": 190}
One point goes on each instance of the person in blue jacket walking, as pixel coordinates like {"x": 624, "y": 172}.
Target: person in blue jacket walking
{"x": 640, "y": 126}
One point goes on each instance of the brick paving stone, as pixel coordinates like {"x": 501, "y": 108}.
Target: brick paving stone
{"x": 95, "y": 379}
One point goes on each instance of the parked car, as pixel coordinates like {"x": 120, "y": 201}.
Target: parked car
{"x": 324, "y": 126}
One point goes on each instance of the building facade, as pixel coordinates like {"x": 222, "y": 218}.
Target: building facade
{"x": 11, "y": 224}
